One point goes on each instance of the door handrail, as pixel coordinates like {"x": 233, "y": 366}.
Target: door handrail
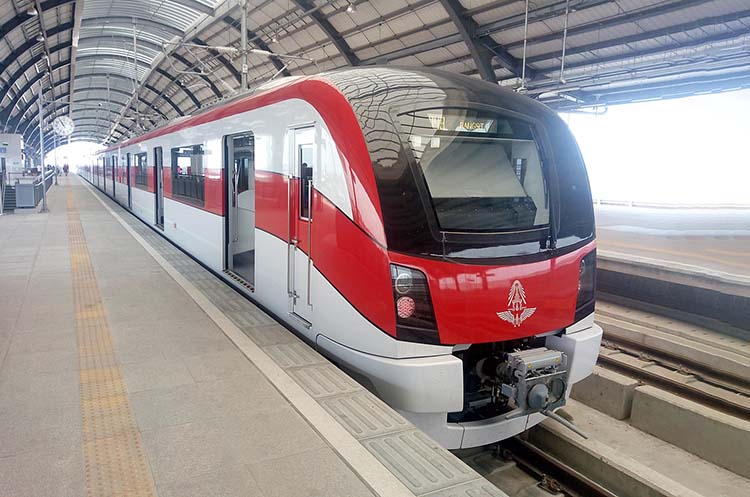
{"x": 309, "y": 237}
{"x": 289, "y": 250}
{"x": 2, "y": 191}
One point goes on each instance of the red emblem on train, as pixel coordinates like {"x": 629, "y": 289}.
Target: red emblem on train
{"x": 517, "y": 311}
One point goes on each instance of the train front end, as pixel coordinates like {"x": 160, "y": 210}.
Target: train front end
{"x": 489, "y": 224}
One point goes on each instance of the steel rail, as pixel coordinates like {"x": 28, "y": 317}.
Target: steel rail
{"x": 688, "y": 390}
{"x": 554, "y": 474}
{"x": 683, "y": 365}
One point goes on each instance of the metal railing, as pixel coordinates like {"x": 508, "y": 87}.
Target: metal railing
{"x": 29, "y": 188}
{"x": 2, "y": 190}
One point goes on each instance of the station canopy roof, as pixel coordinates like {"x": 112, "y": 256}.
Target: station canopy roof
{"x": 120, "y": 67}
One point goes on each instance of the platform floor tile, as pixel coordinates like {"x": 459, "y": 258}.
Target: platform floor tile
{"x": 319, "y": 472}
{"x": 364, "y": 415}
{"x": 423, "y": 465}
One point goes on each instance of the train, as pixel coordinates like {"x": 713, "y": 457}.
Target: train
{"x": 431, "y": 233}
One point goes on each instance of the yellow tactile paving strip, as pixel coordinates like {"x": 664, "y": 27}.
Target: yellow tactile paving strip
{"x": 115, "y": 463}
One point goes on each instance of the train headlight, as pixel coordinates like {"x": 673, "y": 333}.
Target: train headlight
{"x": 415, "y": 317}
{"x": 405, "y": 307}
{"x": 402, "y": 283}
{"x": 586, "y": 286}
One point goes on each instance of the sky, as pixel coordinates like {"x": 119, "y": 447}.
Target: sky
{"x": 693, "y": 150}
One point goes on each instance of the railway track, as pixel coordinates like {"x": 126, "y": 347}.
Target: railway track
{"x": 695, "y": 363}
{"x": 520, "y": 469}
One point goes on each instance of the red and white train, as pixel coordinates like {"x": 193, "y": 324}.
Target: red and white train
{"x": 431, "y": 233}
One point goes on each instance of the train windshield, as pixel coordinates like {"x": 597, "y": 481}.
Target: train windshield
{"x": 483, "y": 170}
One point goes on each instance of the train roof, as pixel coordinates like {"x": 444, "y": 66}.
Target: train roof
{"x": 362, "y": 82}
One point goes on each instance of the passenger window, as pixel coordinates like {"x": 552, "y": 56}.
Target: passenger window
{"x": 243, "y": 149}
{"x": 141, "y": 172}
{"x": 188, "y": 181}
{"x": 306, "y": 178}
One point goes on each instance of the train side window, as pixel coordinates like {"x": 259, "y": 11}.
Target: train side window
{"x": 306, "y": 177}
{"x": 188, "y": 180}
{"x": 141, "y": 174}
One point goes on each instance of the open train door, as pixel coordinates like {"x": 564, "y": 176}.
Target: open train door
{"x": 114, "y": 175}
{"x": 300, "y": 265}
{"x": 240, "y": 216}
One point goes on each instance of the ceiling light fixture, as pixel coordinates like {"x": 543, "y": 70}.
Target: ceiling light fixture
{"x": 32, "y": 12}
{"x": 40, "y": 38}
{"x": 274, "y": 38}
{"x": 351, "y": 8}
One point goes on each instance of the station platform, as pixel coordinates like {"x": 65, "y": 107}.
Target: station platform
{"x": 127, "y": 369}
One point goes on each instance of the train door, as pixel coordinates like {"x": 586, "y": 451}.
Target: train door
{"x": 106, "y": 173}
{"x": 300, "y": 221}
{"x": 114, "y": 175}
{"x": 127, "y": 171}
{"x": 240, "y": 219}
{"x": 159, "y": 187}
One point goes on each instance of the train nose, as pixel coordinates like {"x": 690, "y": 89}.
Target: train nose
{"x": 475, "y": 303}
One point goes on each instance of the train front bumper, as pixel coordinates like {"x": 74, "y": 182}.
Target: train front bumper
{"x": 426, "y": 389}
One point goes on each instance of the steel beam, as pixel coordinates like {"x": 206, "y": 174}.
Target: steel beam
{"x": 123, "y": 21}
{"x": 333, "y": 35}
{"x": 98, "y": 100}
{"x": 618, "y": 20}
{"x": 27, "y": 65}
{"x": 224, "y": 61}
{"x": 56, "y": 113}
{"x": 258, "y": 42}
{"x": 74, "y": 39}
{"x": 630, "y": 56}
{"x": 415, "y": 49}
{"x": 26, "y": 46}
{"x": 646, "y": 35}
{"x": 672, "y": 89}
{"x": 16, "y": 123}
{"x": 544, "y": 13}
{"x": 197, "y": 6}
{"x": 467, "y": 28}
{"x": 8, "y": 111}
{"x": 22, "y": 17}
{"x": 204, "y": 77}
{"x": 176, "y": 81}
{"x": 125, "y": 39}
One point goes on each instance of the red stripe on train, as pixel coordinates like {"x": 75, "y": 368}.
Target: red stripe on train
{"x": 339, "y": 117}
{"x": 355, "y": 265}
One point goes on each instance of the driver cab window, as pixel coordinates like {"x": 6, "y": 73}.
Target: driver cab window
{"x": 483, "y": 170}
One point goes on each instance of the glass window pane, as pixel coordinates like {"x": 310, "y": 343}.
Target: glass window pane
{"x": 483, "y": 171}
{"x": 187, "y": 173}
{"x": 306, "y": 176}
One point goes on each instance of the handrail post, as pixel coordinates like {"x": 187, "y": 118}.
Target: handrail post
{"x": 41, "y": 148}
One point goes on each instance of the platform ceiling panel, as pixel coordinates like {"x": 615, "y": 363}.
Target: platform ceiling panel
{"x": 615, "y": 51}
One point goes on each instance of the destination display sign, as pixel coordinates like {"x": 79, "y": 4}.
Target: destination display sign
{"x": 461, "y": 124}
